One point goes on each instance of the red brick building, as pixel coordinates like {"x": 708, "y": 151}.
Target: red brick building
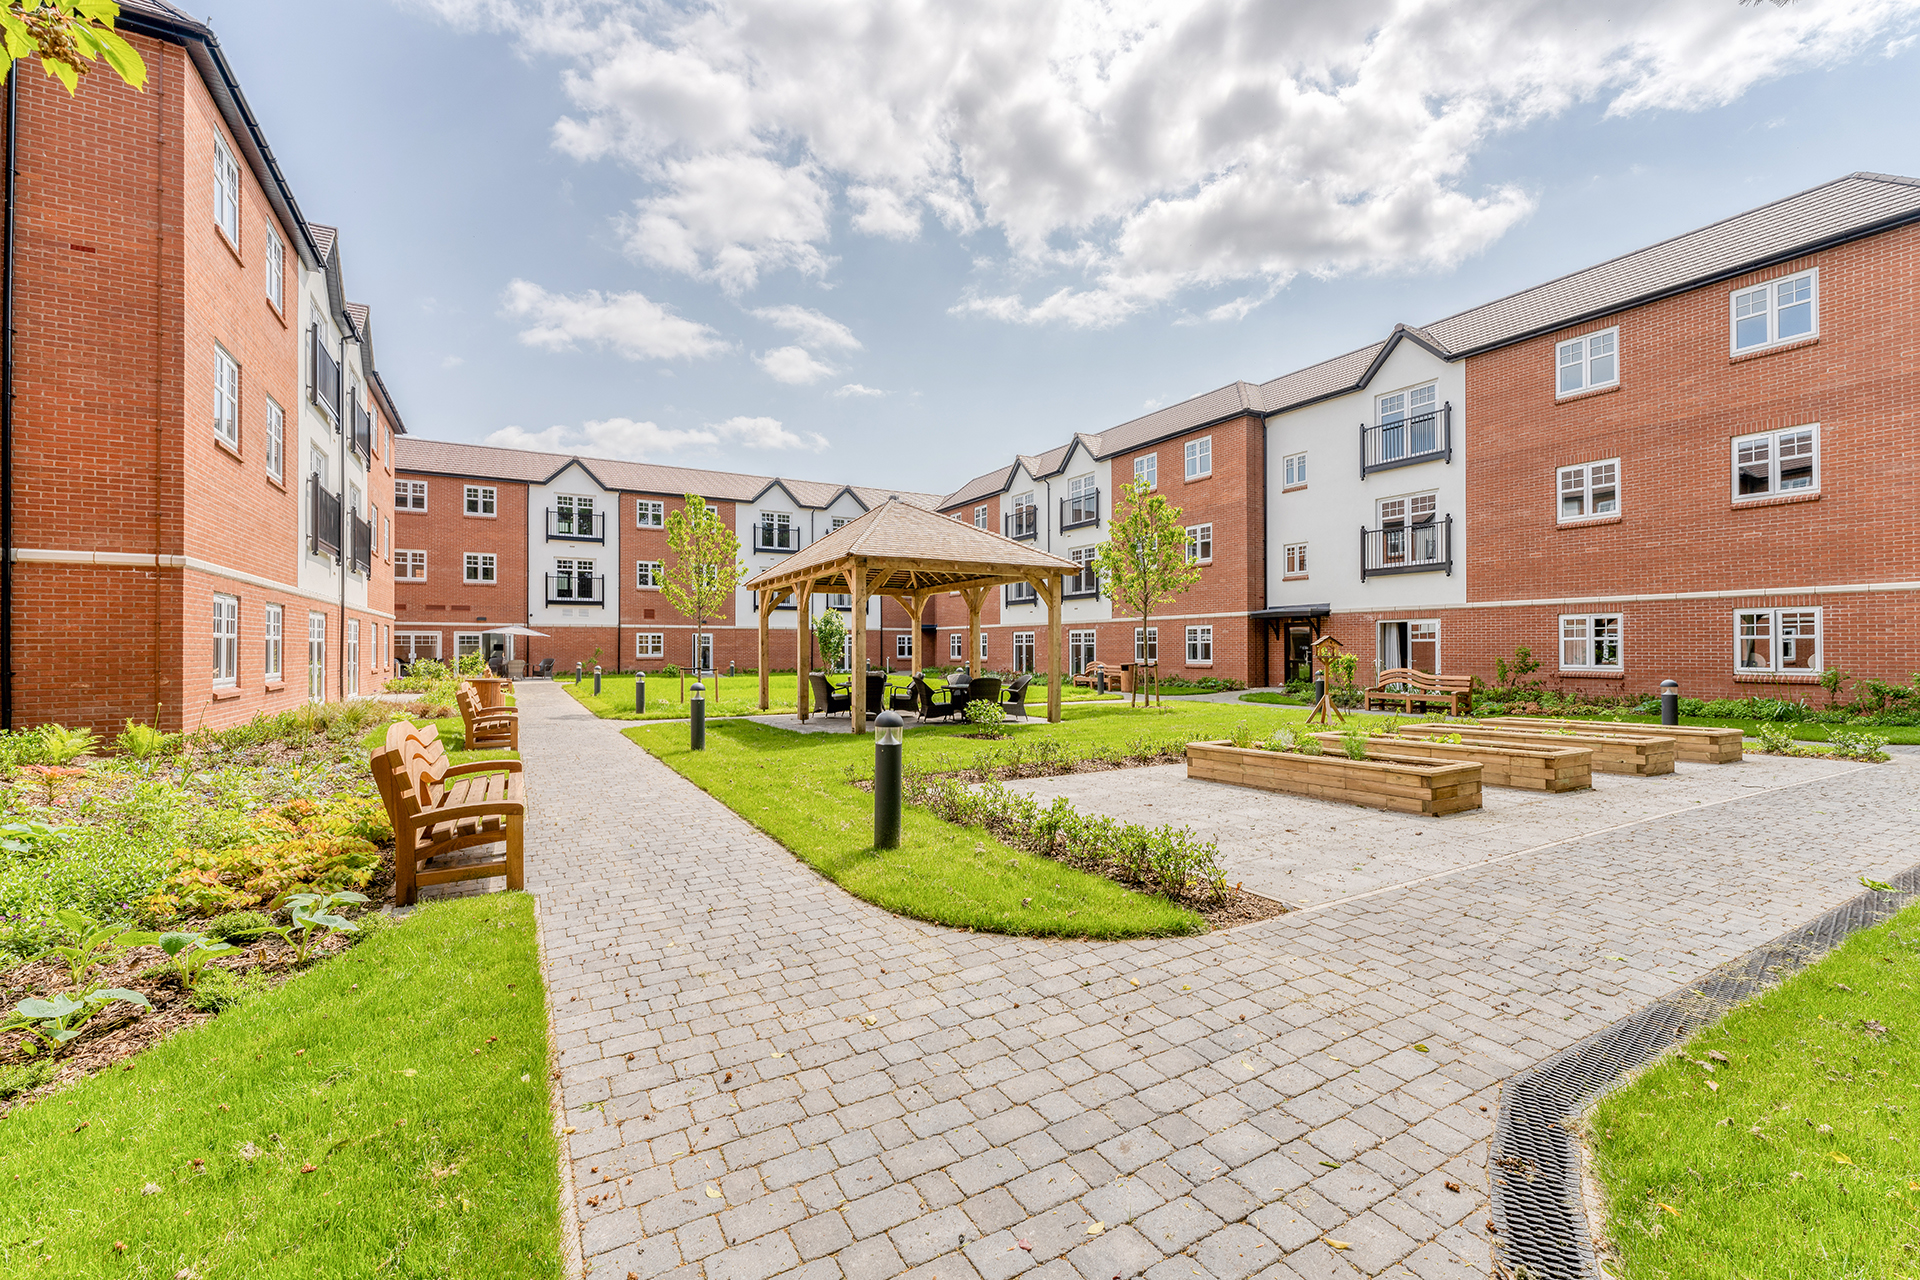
{"x": 166, "y": 295}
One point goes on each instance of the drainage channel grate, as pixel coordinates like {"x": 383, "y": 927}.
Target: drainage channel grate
{"x": 1535, "y": 1167}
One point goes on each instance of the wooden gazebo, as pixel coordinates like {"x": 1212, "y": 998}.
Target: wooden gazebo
{"x": 911, "y": 554}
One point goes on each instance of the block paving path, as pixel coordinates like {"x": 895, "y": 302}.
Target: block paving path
{"x": 768, "y": 1077}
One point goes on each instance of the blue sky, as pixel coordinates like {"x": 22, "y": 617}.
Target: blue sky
{"x": 709, "y": 235}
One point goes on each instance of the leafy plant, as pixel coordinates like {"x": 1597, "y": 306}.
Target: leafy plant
{"x": 1143, "y": 563}
{"x": 312, "y": 913}
{"x": 1774, "y": 739}
{"x": 830, "y": 633}
{"x": 1242, "y": 735}
{"x": 61, "y": 1018}
{"x": 986, "y": 714}
{"x": 61, "y": 745}
{"x": 220, "y": 989}
{"x": 1831, "y": 679}
{"x": 144, "y": 742}
{"x": 94, "y": 943}
{"x": 239, "y": 927}
{"x": 26, "y": 1076}
{"x": 1852, "y": 744}
{"x": 27, "y": 836}
{"x": 189, "y": 953}
{"x": 1342, "y": 666}
{"x": 68, "y": 37}
{"x": 1353, "y": 740}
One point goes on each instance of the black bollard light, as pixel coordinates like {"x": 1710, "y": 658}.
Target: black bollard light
{"x": 596, "y": 679}
{"x": 699, "y": 716}
{"x": 640, "y": 692}
{"x": 579, "y": 670}
{"x": 1669, "y": 702}
{"x": 729, "y": 668}
{"x": 889, "y": 731}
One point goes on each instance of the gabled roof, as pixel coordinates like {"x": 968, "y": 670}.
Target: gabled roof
{"x": 529, "y": 466}
{"x": 918, "y": 550}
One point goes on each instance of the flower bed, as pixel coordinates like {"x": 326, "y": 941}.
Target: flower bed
{"x": 1501, "y": 764}
{"x": 1612, "y": 753}
{"x": 1404, "y": 786}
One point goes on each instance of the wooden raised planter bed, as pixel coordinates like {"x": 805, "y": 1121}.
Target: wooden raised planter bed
{"x": 1404, "y": 786}
{"x": 1697, "y": 744}
{"x": 1501, "y": 764}
{"x": 1642, "y": 757}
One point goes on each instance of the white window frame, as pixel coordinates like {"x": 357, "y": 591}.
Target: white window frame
{"x": 1023, "y": 645}
{"x": 1146, "y": 649}
{"x": 1294, "y": 558}
{"x": 1083, "y": 643}
{"x": 1199, "y": 458}
{"x": 1590, "y": 477}
{"x": 226, "y": 641}
{"x": 1777, "y": 623}
{"x": 1773, "y": 439}
{"x": 481, "y": 501}
{"x": 1590, "y": 627}
{"x": 468, "y": 642}
{"x": 273, "y": 642}
{"x": 276, "y": 440}
{"x": 983, "y": 646}
{"x": 643, "y": 508}
{"x": 1200, "y": 543}
{"x": 276, "y": 256}
{"x": 479, "y": 568}
{"x": 316, "y": 657}
{"x": 373, "y": 527}
{"x": 1579, "y": 368}
{"x": 700, "y": 651}
{"x": 1293, "y": 471}
{"x": 226, "y": 192}
{"x": 647, "y": 574}
{"x": 649, "y": 644}
{"x": 1200, "y": 646}
{"x": 1767, "y": 293}
{"x": 406, "y": 561}
{"x": 903, "y": 645}
{"x": 226, "y": 397}
{"x": 957, "y": 647}
{"x": 353, "y": 659}
{"x": 1147, "y": 467}
{"x": 1022, "y": 593}
{"x": 979, "y": 516}
{"x": 410, "y": 495}
{"x": 415, "y": 640}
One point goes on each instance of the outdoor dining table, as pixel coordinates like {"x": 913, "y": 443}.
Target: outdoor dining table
{"x": 491, "y": 690}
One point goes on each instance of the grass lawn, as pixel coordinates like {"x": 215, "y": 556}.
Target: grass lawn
{"x": 409, "y": 1075}
{"x": 727, "y": 696}
{"x": 1805, "y": 1164}
{"x": 794, "y": 787}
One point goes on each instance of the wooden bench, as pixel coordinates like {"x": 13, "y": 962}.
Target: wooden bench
{"x": 1502, "y": 764}
{"x": 1697, "y": 744}
{"x": 1638, "y": 756}
{"x": 438, "y": 808}
{"x": 1119, "y": 678}
{"x": 1421, "y": 691}
{"x": 487, "y": 728}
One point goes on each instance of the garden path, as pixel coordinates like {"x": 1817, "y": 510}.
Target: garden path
{"x": 770, "y": 1078}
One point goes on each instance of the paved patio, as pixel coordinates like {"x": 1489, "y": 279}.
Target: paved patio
{"x": 770, "y": 1078}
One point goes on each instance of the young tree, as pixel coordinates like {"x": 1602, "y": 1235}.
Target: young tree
{"x": 67, "y": 36}
{"x": 705, "y": 570}
{"x": 1143, "y": 563}
{"x": 830, "y": 633}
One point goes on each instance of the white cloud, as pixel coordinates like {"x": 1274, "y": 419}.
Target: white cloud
{"x": 609, "y": 438}
{"x": 1125, "y": 151}
{"x": 855, "y": 389}
{"x": 810, "y": 327}
{"x": 452, "y": 362}
{"x": 629, "y": 323}
{"x": 767, "y": 433}
{"x": 793, "y": 366}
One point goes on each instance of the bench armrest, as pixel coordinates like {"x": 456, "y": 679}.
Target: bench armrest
{"x": 453, "y": 813}
{"x": 482, "y": 766}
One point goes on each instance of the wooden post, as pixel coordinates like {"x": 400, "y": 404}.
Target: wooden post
{"x": 974, "y": 596}
{"x": 802, "y": 633}
{"x": 1054, "y": 584}
{"x": 766, "y": 609}
{"x": 858, "y": 585}
{"x": 916, "y": 605}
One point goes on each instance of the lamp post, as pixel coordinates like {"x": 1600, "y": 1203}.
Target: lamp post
{"x": 579, "y": 670}
{"x": 888, "y": 733}
{"x": 640, "y": 692}
{"x": 1669, "y": 702}
{"x": 699, "y": 716}
{"x": 596, "y": 679}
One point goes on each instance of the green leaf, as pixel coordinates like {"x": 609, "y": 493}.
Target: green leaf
{"x": 58, "y": 1007}
{"x": 109, "y": 994}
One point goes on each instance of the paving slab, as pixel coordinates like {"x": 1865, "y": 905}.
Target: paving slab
{"x": 681, "y": 944}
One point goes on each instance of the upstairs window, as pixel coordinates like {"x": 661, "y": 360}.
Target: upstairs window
{"x": 1200, "y": 543}
{"x": 1585, "y": 363}
{"x": 1775, "y": 312}
{"x": 1296, "y": 559}
{"x": 226, "y": 192}
{"x": 1146, "y": 470}
{"x": 1776, "y": 463}
{"x": 226, "y": 397}
{"x": 1590, "y": 489}
{"x": 979, "y": 516}
{"x": 479, "y": 567}
{"x": 647, "y": 574}
{"x": 648, "y": 514}
{"x": 1293, "y": 470}
{"x": 482, "y": 499}
{"x": 276, "y": 256}
{"x": 410, "y": 495}
{"x": 276, "y": 439}
{"x": 1200, "y": 458}
{"x": 410, "y": 566}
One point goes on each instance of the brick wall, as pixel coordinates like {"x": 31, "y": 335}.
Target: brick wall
{"x": 445, "y": 602}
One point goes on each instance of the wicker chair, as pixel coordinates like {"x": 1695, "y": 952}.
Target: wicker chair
{"x": 827, "y": 701}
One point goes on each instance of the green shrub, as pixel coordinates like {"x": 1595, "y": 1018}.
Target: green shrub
{"x": 985, "y": 714}
{"x": 19, "y": 1079}
{"x": 220, "y": 989}
{"x": 143, "y": 741}
{"x": 1242, "y": 735}
{"x": 239, "y": 927}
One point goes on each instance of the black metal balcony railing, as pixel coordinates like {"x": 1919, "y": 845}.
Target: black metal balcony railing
{"x": 326, "y": 375}
{"x": 782, "y": 539}
{"x": 362, "y": 431}
{"x": 565, "y": 525}
{"x": 1418, "y": 548}
{"x": 577, "y": 588}
{"x": 360, "y": 545}
{"x": 1426, "y": 437}
{"x": 323, "y": 512}
{"x": 1023, "y": 522}
{"x": 1080, "y": 510}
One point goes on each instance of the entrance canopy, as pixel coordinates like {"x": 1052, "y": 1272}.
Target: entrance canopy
{"x": 912, "y": 555}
